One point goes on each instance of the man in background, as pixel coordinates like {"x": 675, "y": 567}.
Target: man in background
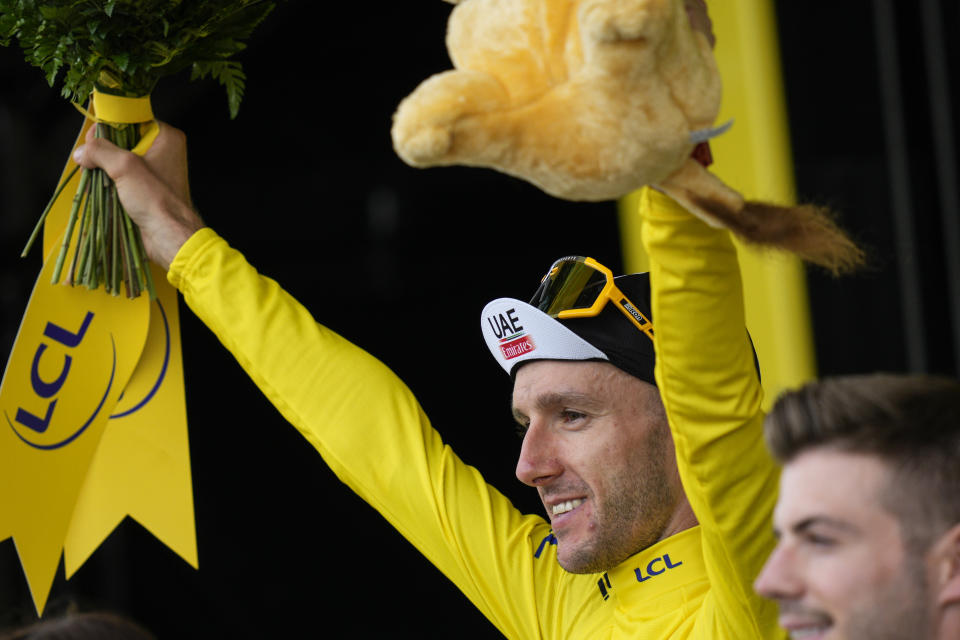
{"x": 868, "y": 518}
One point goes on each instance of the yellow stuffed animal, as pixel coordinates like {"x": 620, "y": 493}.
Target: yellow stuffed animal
{"x": 589, "y": 100}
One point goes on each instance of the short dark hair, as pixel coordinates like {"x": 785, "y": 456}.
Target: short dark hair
{"x": 910, "y": 422}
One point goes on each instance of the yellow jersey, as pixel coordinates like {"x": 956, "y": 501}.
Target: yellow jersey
{"x": 371, "y": 431}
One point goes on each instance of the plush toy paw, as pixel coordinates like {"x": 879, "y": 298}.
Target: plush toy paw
{"x": 426, "y": 121}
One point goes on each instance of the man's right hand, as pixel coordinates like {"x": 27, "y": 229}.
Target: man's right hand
{"x": 154, "y": 189}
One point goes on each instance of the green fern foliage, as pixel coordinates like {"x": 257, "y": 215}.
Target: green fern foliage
{"x": 126, "y": 46}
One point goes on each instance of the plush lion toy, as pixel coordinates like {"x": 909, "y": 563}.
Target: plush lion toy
{"x": 590, "y": 100}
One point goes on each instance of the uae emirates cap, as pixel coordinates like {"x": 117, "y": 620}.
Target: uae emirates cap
{"x": 517, "y": 332}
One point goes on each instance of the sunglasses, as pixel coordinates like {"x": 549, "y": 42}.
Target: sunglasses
{"x": 579, "y": 287}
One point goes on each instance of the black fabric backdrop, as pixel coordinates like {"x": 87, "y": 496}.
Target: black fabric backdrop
{"x": 401, "y": 261}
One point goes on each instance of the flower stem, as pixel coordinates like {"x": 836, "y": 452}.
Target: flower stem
{"x": 115, "y": 237}
{"x": 136, "y": 275}
{"x": 43, "y": 216}
{"x": 71, "y": 221}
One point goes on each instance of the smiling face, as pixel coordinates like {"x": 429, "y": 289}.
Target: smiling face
{"x": 598, "y": 450}
{"x": 840, "y": 570}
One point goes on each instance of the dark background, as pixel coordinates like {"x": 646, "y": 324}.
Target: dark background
{"x": 401, "y": 261}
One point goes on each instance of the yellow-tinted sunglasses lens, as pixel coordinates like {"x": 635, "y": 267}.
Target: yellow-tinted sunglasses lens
{"x": 571, "y": 284}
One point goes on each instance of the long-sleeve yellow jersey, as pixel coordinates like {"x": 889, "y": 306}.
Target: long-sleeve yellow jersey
{"x": 371, "y": 431}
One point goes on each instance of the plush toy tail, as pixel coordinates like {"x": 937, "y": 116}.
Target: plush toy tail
{"x": 808, "y": 231}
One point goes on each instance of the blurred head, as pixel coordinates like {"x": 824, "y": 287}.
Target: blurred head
{"x": 596, "y": 444}
{"x": 81, "y": 626}
{"x": 868, "y": 518}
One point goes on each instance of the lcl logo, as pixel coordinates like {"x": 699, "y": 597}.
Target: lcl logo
{"x": 654, "y": 570}
{"x": 46, "y": 390}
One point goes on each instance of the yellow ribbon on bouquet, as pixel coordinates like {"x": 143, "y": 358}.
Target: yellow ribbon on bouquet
{"x": 93, "y": 410}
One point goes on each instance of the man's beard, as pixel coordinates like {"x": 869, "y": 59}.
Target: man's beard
{"x": 645, "y": 498}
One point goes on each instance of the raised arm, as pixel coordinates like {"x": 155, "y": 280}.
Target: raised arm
{"x": 712, "y": 395}
{"x": 362, "y": 419}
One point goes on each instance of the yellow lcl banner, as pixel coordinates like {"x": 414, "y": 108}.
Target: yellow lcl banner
{"x": 93, "y": 409}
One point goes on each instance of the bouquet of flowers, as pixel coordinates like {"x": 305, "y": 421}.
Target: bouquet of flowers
{"x": 120, "y": 49}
